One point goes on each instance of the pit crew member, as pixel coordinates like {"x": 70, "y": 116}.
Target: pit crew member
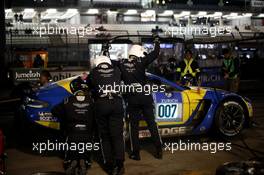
{"x": 230, "y": 69}
{"x": 77, "y": 121}
{"x": 188, "y": 70}
{"x": 109, "y": 113}
{"x": 133, "y": 74}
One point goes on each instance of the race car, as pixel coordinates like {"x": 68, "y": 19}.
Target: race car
{"x": 179, "y": 110}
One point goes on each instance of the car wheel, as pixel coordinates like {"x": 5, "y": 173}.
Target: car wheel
{"x": 243, "y": 167}
{"x": 230, "y": 119}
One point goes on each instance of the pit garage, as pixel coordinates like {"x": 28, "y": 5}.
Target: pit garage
{"x": 204, "y": 83}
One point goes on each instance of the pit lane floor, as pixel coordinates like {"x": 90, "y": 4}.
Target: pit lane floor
{"x": 24, "y": 162}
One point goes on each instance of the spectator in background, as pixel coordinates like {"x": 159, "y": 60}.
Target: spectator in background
{"x": 38, "y": 62}
{"x": 16, "y": 17}
{"x": 18, "y": 63}
{"x": 169, "y": 70}
{"x": 119, "y": 18}
{"x": 230, "y": 69}
{"x": 21, "y": 18}
{"x": 45, "y": 78}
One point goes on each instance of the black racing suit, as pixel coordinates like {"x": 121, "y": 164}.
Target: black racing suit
{"x": 77, "y": 121}
{"x": 139, "y": 103}
{"x": 109, "y": 113}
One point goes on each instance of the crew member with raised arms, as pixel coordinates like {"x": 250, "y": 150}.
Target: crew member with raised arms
{"x": 133, "y": 72}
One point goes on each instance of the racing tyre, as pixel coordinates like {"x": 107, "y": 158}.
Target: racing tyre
{"x": 241, "y": 168}
{"x": 230, "y": 119}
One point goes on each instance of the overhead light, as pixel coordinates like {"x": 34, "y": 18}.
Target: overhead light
{"x": 51, "y": 14}
{"x": 150, "y": 12}
{"x": 185, "y": 13}
{"x": 69, "y": 14}
{"x": 215, "y": 15}
{"x": 9, "y": 14}
{"x": 166, "y": 13}
{"x": 93, "y": 11}
{"x": 202, "y": 13}
{"x": 29, "y": 13}
{"x": 261, "y": 15}
{"x": 182, "y": 14}
{"x": 231, "y": 15}
{"x": 149, "y": 15}
{"x": 130, "y": 12}
{"x": 235, "y": 15}
{"x": 111, "y": 12}
{"x": 29, "y": 10}
{"x": 8, "y": 10}
{"x": 51, "y": 10}
{"x": 218, "y": 14}
{"x": 72, "y": 11}
{"x": 247, "y": 14}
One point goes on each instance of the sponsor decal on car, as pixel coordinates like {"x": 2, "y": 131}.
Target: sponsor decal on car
{"x": 173, "y": 131}
{"x": 46, "y": 116}
{"x": 168, "y": 110}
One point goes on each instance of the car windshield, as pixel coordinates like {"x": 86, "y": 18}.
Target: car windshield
{"x": 171, "y": 86}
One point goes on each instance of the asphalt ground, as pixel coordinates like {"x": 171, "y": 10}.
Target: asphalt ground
{"x": 23, "y": 161}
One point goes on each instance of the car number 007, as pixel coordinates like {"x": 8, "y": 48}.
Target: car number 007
{"x": 167, "y": 110}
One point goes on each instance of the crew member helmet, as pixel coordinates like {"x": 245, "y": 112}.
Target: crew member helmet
{"x": 80, "y": 95}
{"x": 137, "y": 50}
{"x": 101, "y": 59}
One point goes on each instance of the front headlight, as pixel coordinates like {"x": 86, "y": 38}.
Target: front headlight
{"x": 33, "y": 103}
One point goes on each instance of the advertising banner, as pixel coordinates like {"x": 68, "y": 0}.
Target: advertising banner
{"x": 212, "y": 77}
{"x": 20, "y": 75}
{"x": 257, "y": 3}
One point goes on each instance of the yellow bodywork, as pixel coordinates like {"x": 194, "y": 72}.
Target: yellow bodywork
{"x": 190, "y": 100}
{"x": 50, "y": 124}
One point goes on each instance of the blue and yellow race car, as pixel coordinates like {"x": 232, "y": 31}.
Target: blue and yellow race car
{"x": 179, "y": 110}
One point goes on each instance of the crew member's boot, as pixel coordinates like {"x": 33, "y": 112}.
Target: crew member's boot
{"x": 135, "y": 155}
{"x": 158, "y": 154}
{"x": 72, "y": 168}
{"x": 108, "y": 167}
{"x": 119, "y": 168}
{"x": 83, "y": 167}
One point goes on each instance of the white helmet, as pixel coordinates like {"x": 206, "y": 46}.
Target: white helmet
{"x": 137, "y": 50}
{"x": 101, "y": 59}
